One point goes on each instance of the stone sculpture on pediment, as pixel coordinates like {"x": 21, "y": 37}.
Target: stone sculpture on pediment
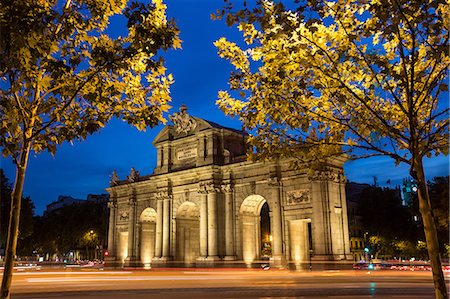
{"x": 133, "y": 176}
{"x": 114, "y": 181}
{"x": 183, "y": 122}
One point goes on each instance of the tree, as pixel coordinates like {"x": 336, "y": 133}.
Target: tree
{"x": 64, "y": 78}
{"x": 439, "y": 195}
{"x": 363, "y": 78}
{"x": 383, "y": 215}
{"x": 57, "y": 232}
{"x": 26, "y": 212}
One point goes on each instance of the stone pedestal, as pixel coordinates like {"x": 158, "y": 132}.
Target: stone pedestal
{"x": 132, "y": 262}
{"x": 278, "y": 261}
{"x": 111, "y": 262}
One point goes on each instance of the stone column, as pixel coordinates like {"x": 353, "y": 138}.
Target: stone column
{"x": 203, "y": 221}
{"x": 320, "y": 217}
{"x": 278, "y": 258}
{"x": 212, "y": 223}
{"x": 342, "y": 181}
{"x": 166, "y": 228}
{"x": 229, "y": 216}
{"x": 159, "y": 228}
{"x": 131, "y": 259}
{"x": 112, "y": 205}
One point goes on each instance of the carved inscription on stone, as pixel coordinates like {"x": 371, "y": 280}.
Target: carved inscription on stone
{"x": 298, "y": 197}
{"x": 185, "y": 153}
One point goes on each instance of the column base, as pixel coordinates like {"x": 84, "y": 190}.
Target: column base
{"x": 213, "y": 258}
{"x": 331, "y": 257}
{"x": 201, "y": 259}
{"x": 132, "y": 262}
{"x": 278, "y": 261}
{"x": 229, "y": 258}
{"x": 162, "y": 259}
{"x": 112, "y": 262}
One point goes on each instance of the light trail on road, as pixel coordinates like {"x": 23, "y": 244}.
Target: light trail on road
{"x": 226, "y": 283}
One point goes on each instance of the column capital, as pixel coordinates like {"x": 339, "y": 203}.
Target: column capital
{"x": 227, "y": 188}
{"x": 163, "y": 194}
{"x": 208, "y": 187}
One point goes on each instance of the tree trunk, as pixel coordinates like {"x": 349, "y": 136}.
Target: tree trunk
{"x": 430, "y": 231}
{"x": 14, "y": 219}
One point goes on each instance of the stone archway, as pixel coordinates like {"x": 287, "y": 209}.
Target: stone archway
{"x": 188, "y": 233}
{"x": 250, "y": 213}
{"x": 147, "y": 237}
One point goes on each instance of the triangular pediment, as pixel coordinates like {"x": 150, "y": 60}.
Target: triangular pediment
{"x": 185, "y": 125}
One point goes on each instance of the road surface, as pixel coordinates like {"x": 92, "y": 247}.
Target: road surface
{"x": 222, "y": 283}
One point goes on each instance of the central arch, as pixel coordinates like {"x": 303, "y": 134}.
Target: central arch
{"x": 188, "y": 233}
{"x": 255, "y": 219}
{"x": 148, "y": 227}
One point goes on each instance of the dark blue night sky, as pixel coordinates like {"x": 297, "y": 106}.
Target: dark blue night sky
{"x": 82, "y": 168}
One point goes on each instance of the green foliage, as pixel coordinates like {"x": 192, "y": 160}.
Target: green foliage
{"x": 70, "y": 227}
{"x": 383, "y": 215}
{"x": 64, "y": 78}
{"x": 363, "y": 78}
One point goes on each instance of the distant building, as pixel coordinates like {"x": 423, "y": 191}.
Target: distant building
{"x": 63, "y": 201}
{"x": 358, "y": 237}
{"x": 409, "y": 190}
{"x": 357, "y": 243}
{"x": 98, "y": 198}
{"x": 67, "y": 200}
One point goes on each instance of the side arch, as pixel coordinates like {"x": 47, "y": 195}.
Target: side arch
{"x": 250, "y": 212}
{"x": 147, "y": 236}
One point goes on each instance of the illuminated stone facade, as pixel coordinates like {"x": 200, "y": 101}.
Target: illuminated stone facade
{"x": 202, "y": 205}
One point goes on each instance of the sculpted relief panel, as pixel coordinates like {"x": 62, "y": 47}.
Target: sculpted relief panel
{"x": 296, "y": 197}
